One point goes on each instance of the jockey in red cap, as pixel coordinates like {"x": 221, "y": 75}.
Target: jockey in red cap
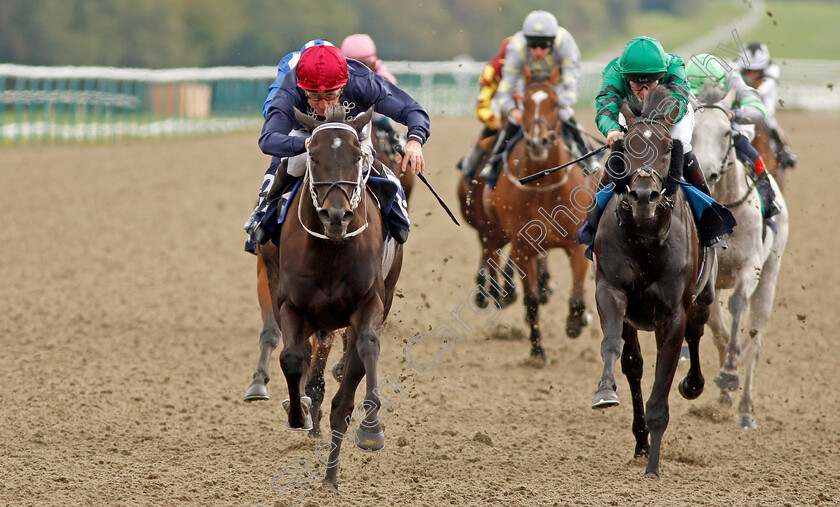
{"x": 325, "y": 78}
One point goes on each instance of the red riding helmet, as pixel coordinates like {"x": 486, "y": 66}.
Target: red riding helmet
{"x": 322, "y": 68}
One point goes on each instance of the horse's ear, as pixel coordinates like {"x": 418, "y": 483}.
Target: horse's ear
{"x": 307, "y": 121}
{"x": 360, "y": 121}
{"x": 728, "y": 99}
{"x": 628, "y": 113}
{"x": 554, "y": 78}
{"x": 526, "y": 74}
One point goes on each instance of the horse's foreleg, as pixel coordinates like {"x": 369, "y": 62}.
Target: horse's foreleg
{"x": 544, "y": 285}
{"x": 368, "y": 325}
{"x": 632, "y": 365}
{"x": 761, "y": 304}
{"x": 746, "y": 281}
{"x": 532, "y": 303}
{"x": 612, "y": 305}
{"x": 342, "y": 408}
{"x": 577, "y": 317}
{"x": 269, "y": 336}
{"x": 669, "y": 339}
{"x": 321, "y": 346}
{"x": 295, "y": 362}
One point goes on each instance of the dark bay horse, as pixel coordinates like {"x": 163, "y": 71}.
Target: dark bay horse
{"x": 648, "y": 258}
{"x": 553, "y": 207}
{"x": 331, "y": 271}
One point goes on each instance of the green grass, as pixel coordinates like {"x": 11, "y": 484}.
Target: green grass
{"x": 799, "y": 30}
{"x": 672, "y": 30}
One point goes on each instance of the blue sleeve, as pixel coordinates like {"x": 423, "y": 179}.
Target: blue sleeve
{"x": 283, "y": 68}
{"x": 396, "y": 104}
{"x": 280, "y": 120}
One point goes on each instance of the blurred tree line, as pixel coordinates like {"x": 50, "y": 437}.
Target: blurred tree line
{"x": 199, "y": 33}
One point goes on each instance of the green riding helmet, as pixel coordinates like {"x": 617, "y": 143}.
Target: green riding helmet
{"x": 643, "y": 60}
{"x": 704, "y": 68}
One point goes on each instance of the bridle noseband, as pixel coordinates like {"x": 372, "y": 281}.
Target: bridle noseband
{"x": 358, "y": 186}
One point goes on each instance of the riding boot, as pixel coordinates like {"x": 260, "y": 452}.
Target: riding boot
{"x": 784, "y": 157}
{"x": 468, "y": 164}
{"x": 494, "y": 166}
{"x": 590, "y": 165}
{"x": 281, "y": 181}
{"x": 765, "y": 189}
{"x": 693, "y": 174}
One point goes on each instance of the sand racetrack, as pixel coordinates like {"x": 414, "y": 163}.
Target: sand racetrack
{"x": 129, "y": 333}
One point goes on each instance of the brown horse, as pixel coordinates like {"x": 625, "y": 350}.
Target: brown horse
{"x": 766, "y": 147}
{"x": 648, "y": 258}
{"x": 554, "y": 206}
{"x": 319, "y": 348}
{"x": 490, "y": 235}
{"x": 331, "y": 271}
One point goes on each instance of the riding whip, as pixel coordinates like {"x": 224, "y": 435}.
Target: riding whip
{"x": 541, "y": 174}
{"x": 399, "y": 150}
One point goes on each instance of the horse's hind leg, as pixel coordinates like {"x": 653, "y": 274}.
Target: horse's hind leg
{"x": 321, "y": 346}
{"x": 632, "y": 365}
{"x": 338, "y": 368}
{"x": 269, "y": 336}
{"x": 577, "y": 318}
{"x": 532, "y": 305}
{"x": 691, "y": 386}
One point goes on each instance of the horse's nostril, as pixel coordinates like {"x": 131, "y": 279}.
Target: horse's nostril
{"x": 348, "y": 215}
{"x": 654, "y": 196}
{"x": 324, "y": 215}
{"x": 634, "y": 195}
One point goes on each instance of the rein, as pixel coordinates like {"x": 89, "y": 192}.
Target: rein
{"x": 727, "y": 163}
{"x": 359, "y": 185}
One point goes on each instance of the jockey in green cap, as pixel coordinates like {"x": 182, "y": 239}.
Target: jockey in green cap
{"x": 643, "y": 65}
{"x": 746, "y": 112}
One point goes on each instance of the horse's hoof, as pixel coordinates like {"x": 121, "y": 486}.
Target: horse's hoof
{"x": 481, "y": 300}
{"x": 256, "y": 392}
{"x": 576, "y": 322}
{"x": 370, "y": 441}
{"x": 332, "y": 486}
{"x": 747, "y": 422}
{"x": 306, "y": 403}
{"x": 605, "y": 398}
{"x": 652, "y": 474}
{"x": 338, "y": 371}
{"x": 688, "y": 392}
{"x": 537, "y": 359}
{"x": 725, "y": 399}
{"x": 507, "y": 300}
{"x": 726, "y": 381}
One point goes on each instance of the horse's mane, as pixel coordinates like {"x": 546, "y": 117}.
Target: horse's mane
{"x": 711, "y": 93}
{"x": 336, "y": 113}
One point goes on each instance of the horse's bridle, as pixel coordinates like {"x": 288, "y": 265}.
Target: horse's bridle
{"x": 647, "y": 171}
{"x": 358, "y": 186}
{"x": 553, "y": 129}
{"x": 727, "y": 162}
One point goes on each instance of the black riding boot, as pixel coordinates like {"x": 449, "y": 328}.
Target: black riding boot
{"x": 494, "y": 165}
{"x": 768, "y": 195}
{"x": 693, "y": 174}
{"x": 784, "y": 157}
{"x": 281, "y": 181}
{"x": 591, "y": 164}
{"x": 469, "y": 163}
